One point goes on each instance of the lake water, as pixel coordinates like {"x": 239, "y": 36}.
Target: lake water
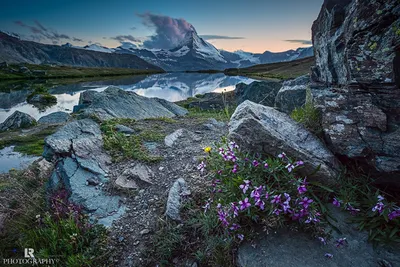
{"x": 170, "y": 86}
{"x": 9, "y": 159}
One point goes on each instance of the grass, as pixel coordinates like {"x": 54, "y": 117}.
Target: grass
{"x": 30, "y": 144}
{"x": 308, "y": 115}
{"x": 220, "y": 115}
{"x": 46, "y": 97}
{"x": 59, "y": 231}
{"x": 280, "y": 70}
{"x": 164, "y": 119}
{"x": 122, "y": 147}
{"x": 58, "y": 72}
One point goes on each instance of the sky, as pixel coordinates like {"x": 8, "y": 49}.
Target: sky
{"x": 249, "y": 25}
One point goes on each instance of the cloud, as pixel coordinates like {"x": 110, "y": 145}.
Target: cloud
{"x": 169, "y": 32}
{"x": 122, "y": 38}
{"x": 303, "y": 42}
{"x": 40, "y": 32}
{"x": 215, "y": 37}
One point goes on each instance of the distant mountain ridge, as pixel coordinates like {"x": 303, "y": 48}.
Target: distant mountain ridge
{"x": 15, "y": 50}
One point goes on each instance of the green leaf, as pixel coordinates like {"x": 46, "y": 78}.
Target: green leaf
{"x": 322, "y": 186}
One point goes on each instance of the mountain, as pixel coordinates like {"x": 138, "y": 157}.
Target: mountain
{"x": 14, "y": 50}
{"x": 194, "y": 53}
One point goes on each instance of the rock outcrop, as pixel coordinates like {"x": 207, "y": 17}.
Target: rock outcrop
{"x": 260, "y": 129}
{"x": 17, "y": 120}
{"x": 357, "y": 51}
{"x": 76, "y": 149}
{"x": 55, "y": 118}
{"x": 117, "y": 103}
{"x": 292, "y": 94}
{"x": 263, "y": 92}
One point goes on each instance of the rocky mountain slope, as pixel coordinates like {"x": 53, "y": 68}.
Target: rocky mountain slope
{"x": 14, "y": 50}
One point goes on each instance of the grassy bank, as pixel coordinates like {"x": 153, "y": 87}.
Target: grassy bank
{"x": 280, "y": 70}
{"x": 57, "y": 72}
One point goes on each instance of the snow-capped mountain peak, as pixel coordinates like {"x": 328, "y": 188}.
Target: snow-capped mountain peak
{"x": 99, "y": 48}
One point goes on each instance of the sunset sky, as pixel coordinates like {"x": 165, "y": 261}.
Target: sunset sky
{"x": 252, "y": 25}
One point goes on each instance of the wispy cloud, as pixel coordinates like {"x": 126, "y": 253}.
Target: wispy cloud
{"x": 40, "y": 32}
{"x": 123, "y": 38}
{"x": 133, "y": 28}
{"x": 303, "y": 42}
{"x": 215, "y": 37}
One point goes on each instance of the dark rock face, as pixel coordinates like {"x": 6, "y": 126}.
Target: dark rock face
{"x": 17, "y": 120}
{"x": 117, "y": 103}
{"x": 292, "y": 94}
{"x": 77, "y": 152}
{"x": 355, "y": 42}
{"x": 260, "y": 129}
{"x": 55, "y": 118}
{"x": 263, "y": 93}
{"x": 357, "y": 71}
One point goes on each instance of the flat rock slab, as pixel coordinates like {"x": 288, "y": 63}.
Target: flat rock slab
{"x": 117, "y": 103}
{"x": 286, "y": 248}
{"x": 77, "y": 150}
{"x": 132, "y": 176}
{"x": 260, "y": 129}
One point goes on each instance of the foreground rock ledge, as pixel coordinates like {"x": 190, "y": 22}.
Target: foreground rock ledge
{"x": 262, "y": 129}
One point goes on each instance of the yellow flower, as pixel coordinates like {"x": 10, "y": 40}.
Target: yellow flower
{"x": 207, "y": 149}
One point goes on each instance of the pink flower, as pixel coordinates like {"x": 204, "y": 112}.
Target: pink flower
{"x": 282, "y": 155}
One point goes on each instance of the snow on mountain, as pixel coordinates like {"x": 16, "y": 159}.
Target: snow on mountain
{"x": 248, "y": 56}
{"x": 99, "y": 48}
{"x": 127, "y": 45}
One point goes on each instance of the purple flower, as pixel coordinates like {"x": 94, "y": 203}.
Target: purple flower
{"x": 240, "y": 236}
{"x": 379, "y": 207}
{"x": 219, "y": 172}
{"x": 341, "y": 242}
{"x": 266, "y": 165}
{"x": 306, "y": 202}
{"x": 282, "y": 155}
{"x": 394, "y": 214}
{"x": 201, "y": 167}
{"x": 323, "y": 240}
{"x": 235, "y": 210}
{"x": 234, "y": 227}
{"x": 277, "y": 212}
{"x": 286, "y": 207}
{"x": 221, "y": 150}
{"x": 235, "y": 168}
{"x": 328, "y": 255}
{"x": 336, "y": 202}
{"x": 222, "y": 217}
{"x": 245, "y": 186}
{"x": 256, "y": 193}
{"x": 255, "y": 163}
{"x": 299, "y": 163}
{"x": 233, "y": 145}
{"x": 302, "y": 189}
{"x": 276, "y": 199}
{"x": 290, "y": 167}
{"x": 352, "y": 210}
{"x": 380, "y": 198}
{"x": 244, "y": 204}
{"x": 260, "y": 204}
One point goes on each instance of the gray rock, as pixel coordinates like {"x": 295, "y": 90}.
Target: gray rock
{"x": 117, "y": 103}
{"x": 213, "y": 101}
{"x": 358, "y": 75}
{"x": 174, "y": 202}
{"x": 263, "y": 92}
{"x": 17, "y": 120}
{"x": 131, "y": 177}
{"x": 292, "y": 94}
{"x": 260, "y": 129}
{"x": 124, "y": 129}
{"x": 291, "y": 249}
{"x": 55, "y": 118}
{"x": 170, "y": 139}
{"x": 77, "y": 150}
{"x": 213, "y": 124}
{"x": 144, "y": 231}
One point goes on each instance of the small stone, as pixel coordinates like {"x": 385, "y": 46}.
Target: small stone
{"x": 174, "y": 199}
{"x": 161, "y": 168}
{"x": 144, "y": 231}
{"x": 121, "y": 238}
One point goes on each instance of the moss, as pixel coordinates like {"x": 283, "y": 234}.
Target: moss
{"x": 373, "y": 46}
{"x": 379, "y": 12}
{"x": 46, "y": 98}
{"x": 29, "y": 144}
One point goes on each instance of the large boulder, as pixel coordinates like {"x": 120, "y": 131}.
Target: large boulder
{"x": 81, "y": 165}
{"x": 55, "y": 118}
{"x": 263, "y": 92}
{"x": 17, "y": 120}
{"x": 357, "y": 74}
{"x": 260, "y": 129}
{"x": 292, "y": 94}
{"x": 117, "y": 103}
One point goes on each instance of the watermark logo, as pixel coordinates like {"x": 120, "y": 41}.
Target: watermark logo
{"x": 29, "y": 259}
{"x": 28, "y": 252}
